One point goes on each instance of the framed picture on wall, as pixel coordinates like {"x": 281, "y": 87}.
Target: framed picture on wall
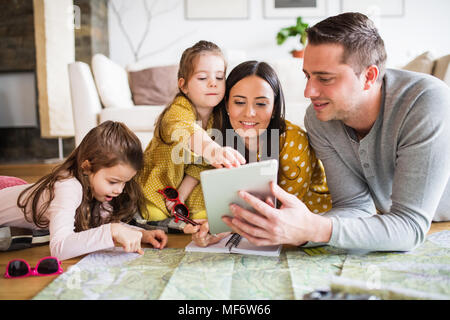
{"x": 381, "y": 8}
{"x": 294, "y": 8}
{"x": 217, "y": 9}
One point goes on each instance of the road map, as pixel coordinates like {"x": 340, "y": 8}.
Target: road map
{"x": 174, "y": 274}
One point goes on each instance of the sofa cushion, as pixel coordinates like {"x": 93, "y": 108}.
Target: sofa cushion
{"x": 7, "y": 181}
{"x": 422, "y": 63}
{"x": 112, "y": 82}
{"x": 154, "y": 86}
{"x": 441, "y": 66}
{"x": 138, "y": 118}
{"x": 145, "y": 137}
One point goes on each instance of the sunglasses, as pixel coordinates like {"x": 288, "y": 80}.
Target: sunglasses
{"x": 179, "y": 210}
{"x": 47, "y": 266}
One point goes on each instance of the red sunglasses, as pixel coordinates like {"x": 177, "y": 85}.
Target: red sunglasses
{"x": 179, "y": 210}
{"x": 47, "y": 266}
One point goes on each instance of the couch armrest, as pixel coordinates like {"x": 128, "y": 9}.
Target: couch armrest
{"x": 85, "y": 101}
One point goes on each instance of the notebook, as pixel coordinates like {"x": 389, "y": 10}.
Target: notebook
{"x": 244, "y": 247}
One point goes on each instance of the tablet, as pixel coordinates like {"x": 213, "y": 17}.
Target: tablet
{"x": 220, "y": 188}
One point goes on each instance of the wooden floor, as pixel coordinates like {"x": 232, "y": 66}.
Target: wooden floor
{"x": 28, "y": 172}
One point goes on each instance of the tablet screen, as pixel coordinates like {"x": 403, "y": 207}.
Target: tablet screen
{"x": 220, "y": 189}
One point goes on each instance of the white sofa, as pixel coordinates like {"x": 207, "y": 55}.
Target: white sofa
{"x": 108, "y": 97}
{"x": 293, "y": 82}
{"x": 112, "y": 89}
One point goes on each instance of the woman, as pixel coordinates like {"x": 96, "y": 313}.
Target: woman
{"x": 253, "y": 109}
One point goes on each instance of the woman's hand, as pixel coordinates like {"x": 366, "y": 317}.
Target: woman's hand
{"x": 157, "y": 238}
{"x": 203, "y": 238}
{"x": 128, "y": 238}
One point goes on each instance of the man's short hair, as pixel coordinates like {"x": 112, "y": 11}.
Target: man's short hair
{"x": 362, "y": 43}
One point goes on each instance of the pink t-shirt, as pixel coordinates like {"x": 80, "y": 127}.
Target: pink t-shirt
{"x": 65, "y": 243}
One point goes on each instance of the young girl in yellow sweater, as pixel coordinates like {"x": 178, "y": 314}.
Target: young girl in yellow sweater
{"x": 181, "y": 147}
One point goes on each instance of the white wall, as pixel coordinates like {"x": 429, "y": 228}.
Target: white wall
{"x": 424, "y": 26}
{"x": 55, "y": 49}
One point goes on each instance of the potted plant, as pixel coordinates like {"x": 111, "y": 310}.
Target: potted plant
{"x": 297, "y": 30}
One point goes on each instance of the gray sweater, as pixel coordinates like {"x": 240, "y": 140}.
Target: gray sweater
{"x": 400, "y": 168}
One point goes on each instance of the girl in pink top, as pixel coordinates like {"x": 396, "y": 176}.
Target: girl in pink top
{"x": 85, "y": 200}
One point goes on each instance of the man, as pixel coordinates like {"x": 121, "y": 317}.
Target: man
{"x": 384, "y": 139}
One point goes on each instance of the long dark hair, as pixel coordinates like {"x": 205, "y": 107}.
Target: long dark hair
{"x": 104, "y": 146}
{"x": 185, "y": 71}
{"x": 264, "y": 71}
